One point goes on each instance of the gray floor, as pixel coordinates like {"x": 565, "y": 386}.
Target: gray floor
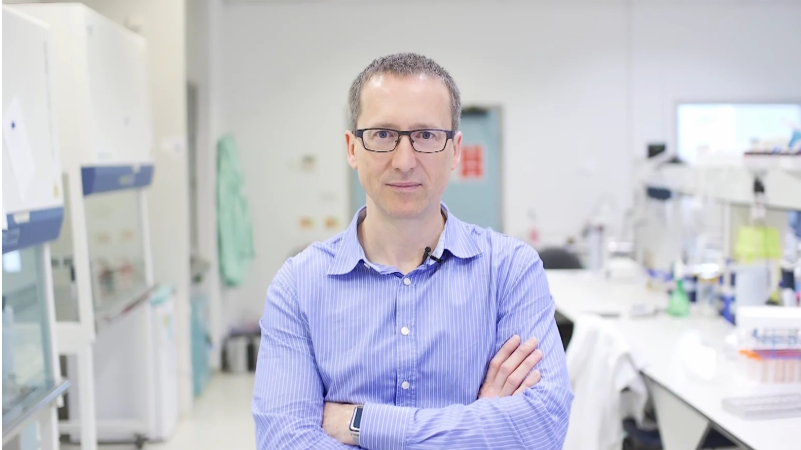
{"x": 220, "y": 419}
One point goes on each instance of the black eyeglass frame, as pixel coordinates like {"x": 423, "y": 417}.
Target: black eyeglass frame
{"x": 360, "y": 134}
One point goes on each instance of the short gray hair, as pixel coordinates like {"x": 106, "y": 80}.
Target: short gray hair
{"x": 403, "y": 64}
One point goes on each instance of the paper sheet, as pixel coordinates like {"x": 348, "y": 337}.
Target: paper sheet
{"x": 757, "y": 243}
{"x": 15, "y": 137}
{"x": 174, "y": 145}
{"x": 12, "y": 262}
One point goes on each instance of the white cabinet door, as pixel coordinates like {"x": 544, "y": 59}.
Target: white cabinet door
{"x": 119, "y": 92}
{"x": 31, "y": 166}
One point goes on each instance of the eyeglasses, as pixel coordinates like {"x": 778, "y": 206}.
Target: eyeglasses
{"x": 384, "y": 140}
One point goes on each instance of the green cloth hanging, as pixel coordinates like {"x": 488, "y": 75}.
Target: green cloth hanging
{"x": 234, "y": 230}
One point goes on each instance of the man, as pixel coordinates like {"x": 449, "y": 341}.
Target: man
{"x": 374, "y": 339}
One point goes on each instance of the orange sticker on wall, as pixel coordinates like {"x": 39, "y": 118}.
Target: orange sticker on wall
{"x": 306, "y": 223}
{"x": 331, "y": 222}
{"x": 472, "y": 165}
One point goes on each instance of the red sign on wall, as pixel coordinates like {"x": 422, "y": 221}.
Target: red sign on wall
{"x": 472, "y": 167}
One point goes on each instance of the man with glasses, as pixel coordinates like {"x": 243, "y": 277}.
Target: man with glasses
{"x": 411, "y": 329}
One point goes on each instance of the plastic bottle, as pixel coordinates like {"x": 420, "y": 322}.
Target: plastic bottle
{"x": 595, "y": 247}
{"x": 787, "y": 286}
{"x": 690, "y": 286}
{"x": 728, "y": 300}
{"x": 798, "y": 283}
{"x": 679, "y": 305}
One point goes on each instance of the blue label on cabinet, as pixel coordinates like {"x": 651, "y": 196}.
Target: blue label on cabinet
{"x": 37, "y": 228}
{"x": 114, "y": 178}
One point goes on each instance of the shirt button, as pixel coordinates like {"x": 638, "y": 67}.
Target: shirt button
{"x": 405, "y": 331}
{"x": 405, "y": 385}
{"x": 407, "y": 281}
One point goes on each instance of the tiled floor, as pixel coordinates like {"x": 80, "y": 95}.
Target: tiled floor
{"x": 220, "y": 419}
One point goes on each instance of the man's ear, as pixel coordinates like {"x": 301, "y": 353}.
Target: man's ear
{"x": 350, "y": 144}
{"x": 457, "y": 150}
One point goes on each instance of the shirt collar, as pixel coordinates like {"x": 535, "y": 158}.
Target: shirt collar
{"x": 457, "y": 238}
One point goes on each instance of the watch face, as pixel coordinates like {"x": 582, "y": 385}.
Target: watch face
{"x": 356, "y": 423}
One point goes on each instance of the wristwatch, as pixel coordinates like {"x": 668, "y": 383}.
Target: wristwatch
{"x": 356, "y": 423}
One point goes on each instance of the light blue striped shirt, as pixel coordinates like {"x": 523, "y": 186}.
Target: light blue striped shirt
{"x": 413, "y": 349}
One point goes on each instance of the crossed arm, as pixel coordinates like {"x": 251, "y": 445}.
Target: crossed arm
{"x": 288, "y": 408}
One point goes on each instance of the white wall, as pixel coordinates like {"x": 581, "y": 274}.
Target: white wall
{"x": 707, "y": 52}
{"x": 558, "y": 71}
{"x": 583, "y": 85}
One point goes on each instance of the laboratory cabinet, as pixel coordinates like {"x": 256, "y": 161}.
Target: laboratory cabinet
{"x": 101, "y": 265}
{"x": 99, "y": 73}
{"x": 32, "y": 217}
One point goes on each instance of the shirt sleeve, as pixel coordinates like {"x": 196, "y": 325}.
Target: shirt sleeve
{"x": 288, "y": 394}
{"x": 535, "y": 419}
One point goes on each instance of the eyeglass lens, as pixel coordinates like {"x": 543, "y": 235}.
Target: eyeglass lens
{"x": 426, "y": 141}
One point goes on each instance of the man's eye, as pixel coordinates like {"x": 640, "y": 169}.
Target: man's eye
{"x": 427, "y": 135}
{"x": 383, "y": 134}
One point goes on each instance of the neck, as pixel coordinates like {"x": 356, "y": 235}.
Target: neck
{"x": 399, "y": 243}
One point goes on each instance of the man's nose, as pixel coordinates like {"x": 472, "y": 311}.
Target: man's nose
{"x": 404, "y": 158}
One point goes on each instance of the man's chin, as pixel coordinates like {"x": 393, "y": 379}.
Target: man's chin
{"x": 405, "y": 209}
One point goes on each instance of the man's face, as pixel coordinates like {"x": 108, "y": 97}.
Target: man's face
{"x": 404, "y": 184}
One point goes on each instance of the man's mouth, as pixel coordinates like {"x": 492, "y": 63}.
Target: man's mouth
{"x": 405, "y": 185}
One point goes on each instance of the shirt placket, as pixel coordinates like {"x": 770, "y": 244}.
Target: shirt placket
{"x": 406, "y": 342}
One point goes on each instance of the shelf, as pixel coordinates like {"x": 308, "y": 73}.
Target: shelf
{"x": 26, "y": 408}
{"x": 118, "y": 306}
{"x": 730, "y": 183}
{"x": 790, "y": 164}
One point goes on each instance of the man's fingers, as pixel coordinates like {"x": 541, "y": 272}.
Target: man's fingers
{"x": 532, "y": 379}
{"x": 511, "y": 363}
{"x": 503, "y": 354}
{"x": 516, "y": 379}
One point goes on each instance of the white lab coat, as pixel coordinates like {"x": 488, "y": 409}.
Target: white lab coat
{"x": 601, "y": 365}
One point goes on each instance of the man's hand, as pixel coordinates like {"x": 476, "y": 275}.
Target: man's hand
{"x": 336, "y": 420}
{"x": 508, "y": 372}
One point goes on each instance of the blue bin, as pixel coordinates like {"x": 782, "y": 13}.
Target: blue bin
{"x": 200, "y": 342}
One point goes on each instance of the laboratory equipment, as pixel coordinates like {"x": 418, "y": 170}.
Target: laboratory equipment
{"x": 797, "y": 273}
{"x": 769, "y": 341}
{"x": 101, "y": 263}
{"x": 764, "y": 407}
{"x": 753, "y": 286}
{"x": 787, "y": 285}
{"x": 32, "y": 217}
{"x": 708, "y": 295}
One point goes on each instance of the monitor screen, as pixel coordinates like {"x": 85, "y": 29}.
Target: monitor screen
{"x": 733, "y": 128}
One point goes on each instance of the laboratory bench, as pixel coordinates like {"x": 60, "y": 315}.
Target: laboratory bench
{"x": 687, "y": 393}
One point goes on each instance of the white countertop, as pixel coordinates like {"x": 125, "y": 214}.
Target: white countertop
{"x": 659, "y": 342}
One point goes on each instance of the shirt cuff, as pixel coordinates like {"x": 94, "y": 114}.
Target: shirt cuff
{"x": 384, "y": 426}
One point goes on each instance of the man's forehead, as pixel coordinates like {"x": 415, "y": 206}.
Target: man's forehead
{"x": 381, "y": 79}
{"x": 400, "y": 100}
